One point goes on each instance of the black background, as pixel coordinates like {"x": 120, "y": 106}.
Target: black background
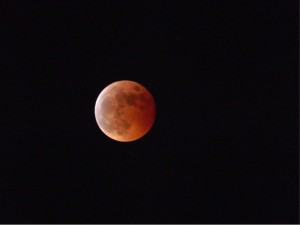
{"x": 224, "y": 146}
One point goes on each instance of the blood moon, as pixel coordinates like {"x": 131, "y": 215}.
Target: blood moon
{"x": 125, "y": 111}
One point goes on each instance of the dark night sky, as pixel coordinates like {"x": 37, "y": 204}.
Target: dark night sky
{"x": 224, "y": 146}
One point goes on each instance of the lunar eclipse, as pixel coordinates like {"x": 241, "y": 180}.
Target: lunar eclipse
{"x": 125, "y": 111}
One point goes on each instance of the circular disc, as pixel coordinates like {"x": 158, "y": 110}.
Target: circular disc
{"x": 125, "y": 111}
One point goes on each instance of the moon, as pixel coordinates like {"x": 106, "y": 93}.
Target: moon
{"x": 125, "y": 111}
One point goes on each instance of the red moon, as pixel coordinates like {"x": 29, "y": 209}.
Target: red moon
{"x": 125, "y": 111}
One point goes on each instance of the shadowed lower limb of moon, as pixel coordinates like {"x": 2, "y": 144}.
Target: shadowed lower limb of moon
{"x": 125, "y": 111}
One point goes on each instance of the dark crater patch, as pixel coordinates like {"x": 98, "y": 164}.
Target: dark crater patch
{"x": 130, "y": 99}
{"x": 136, "y": 88}
{"x": 142, "y": 97}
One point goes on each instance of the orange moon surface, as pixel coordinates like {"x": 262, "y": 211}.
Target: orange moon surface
{"x": 125, "y": 111}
